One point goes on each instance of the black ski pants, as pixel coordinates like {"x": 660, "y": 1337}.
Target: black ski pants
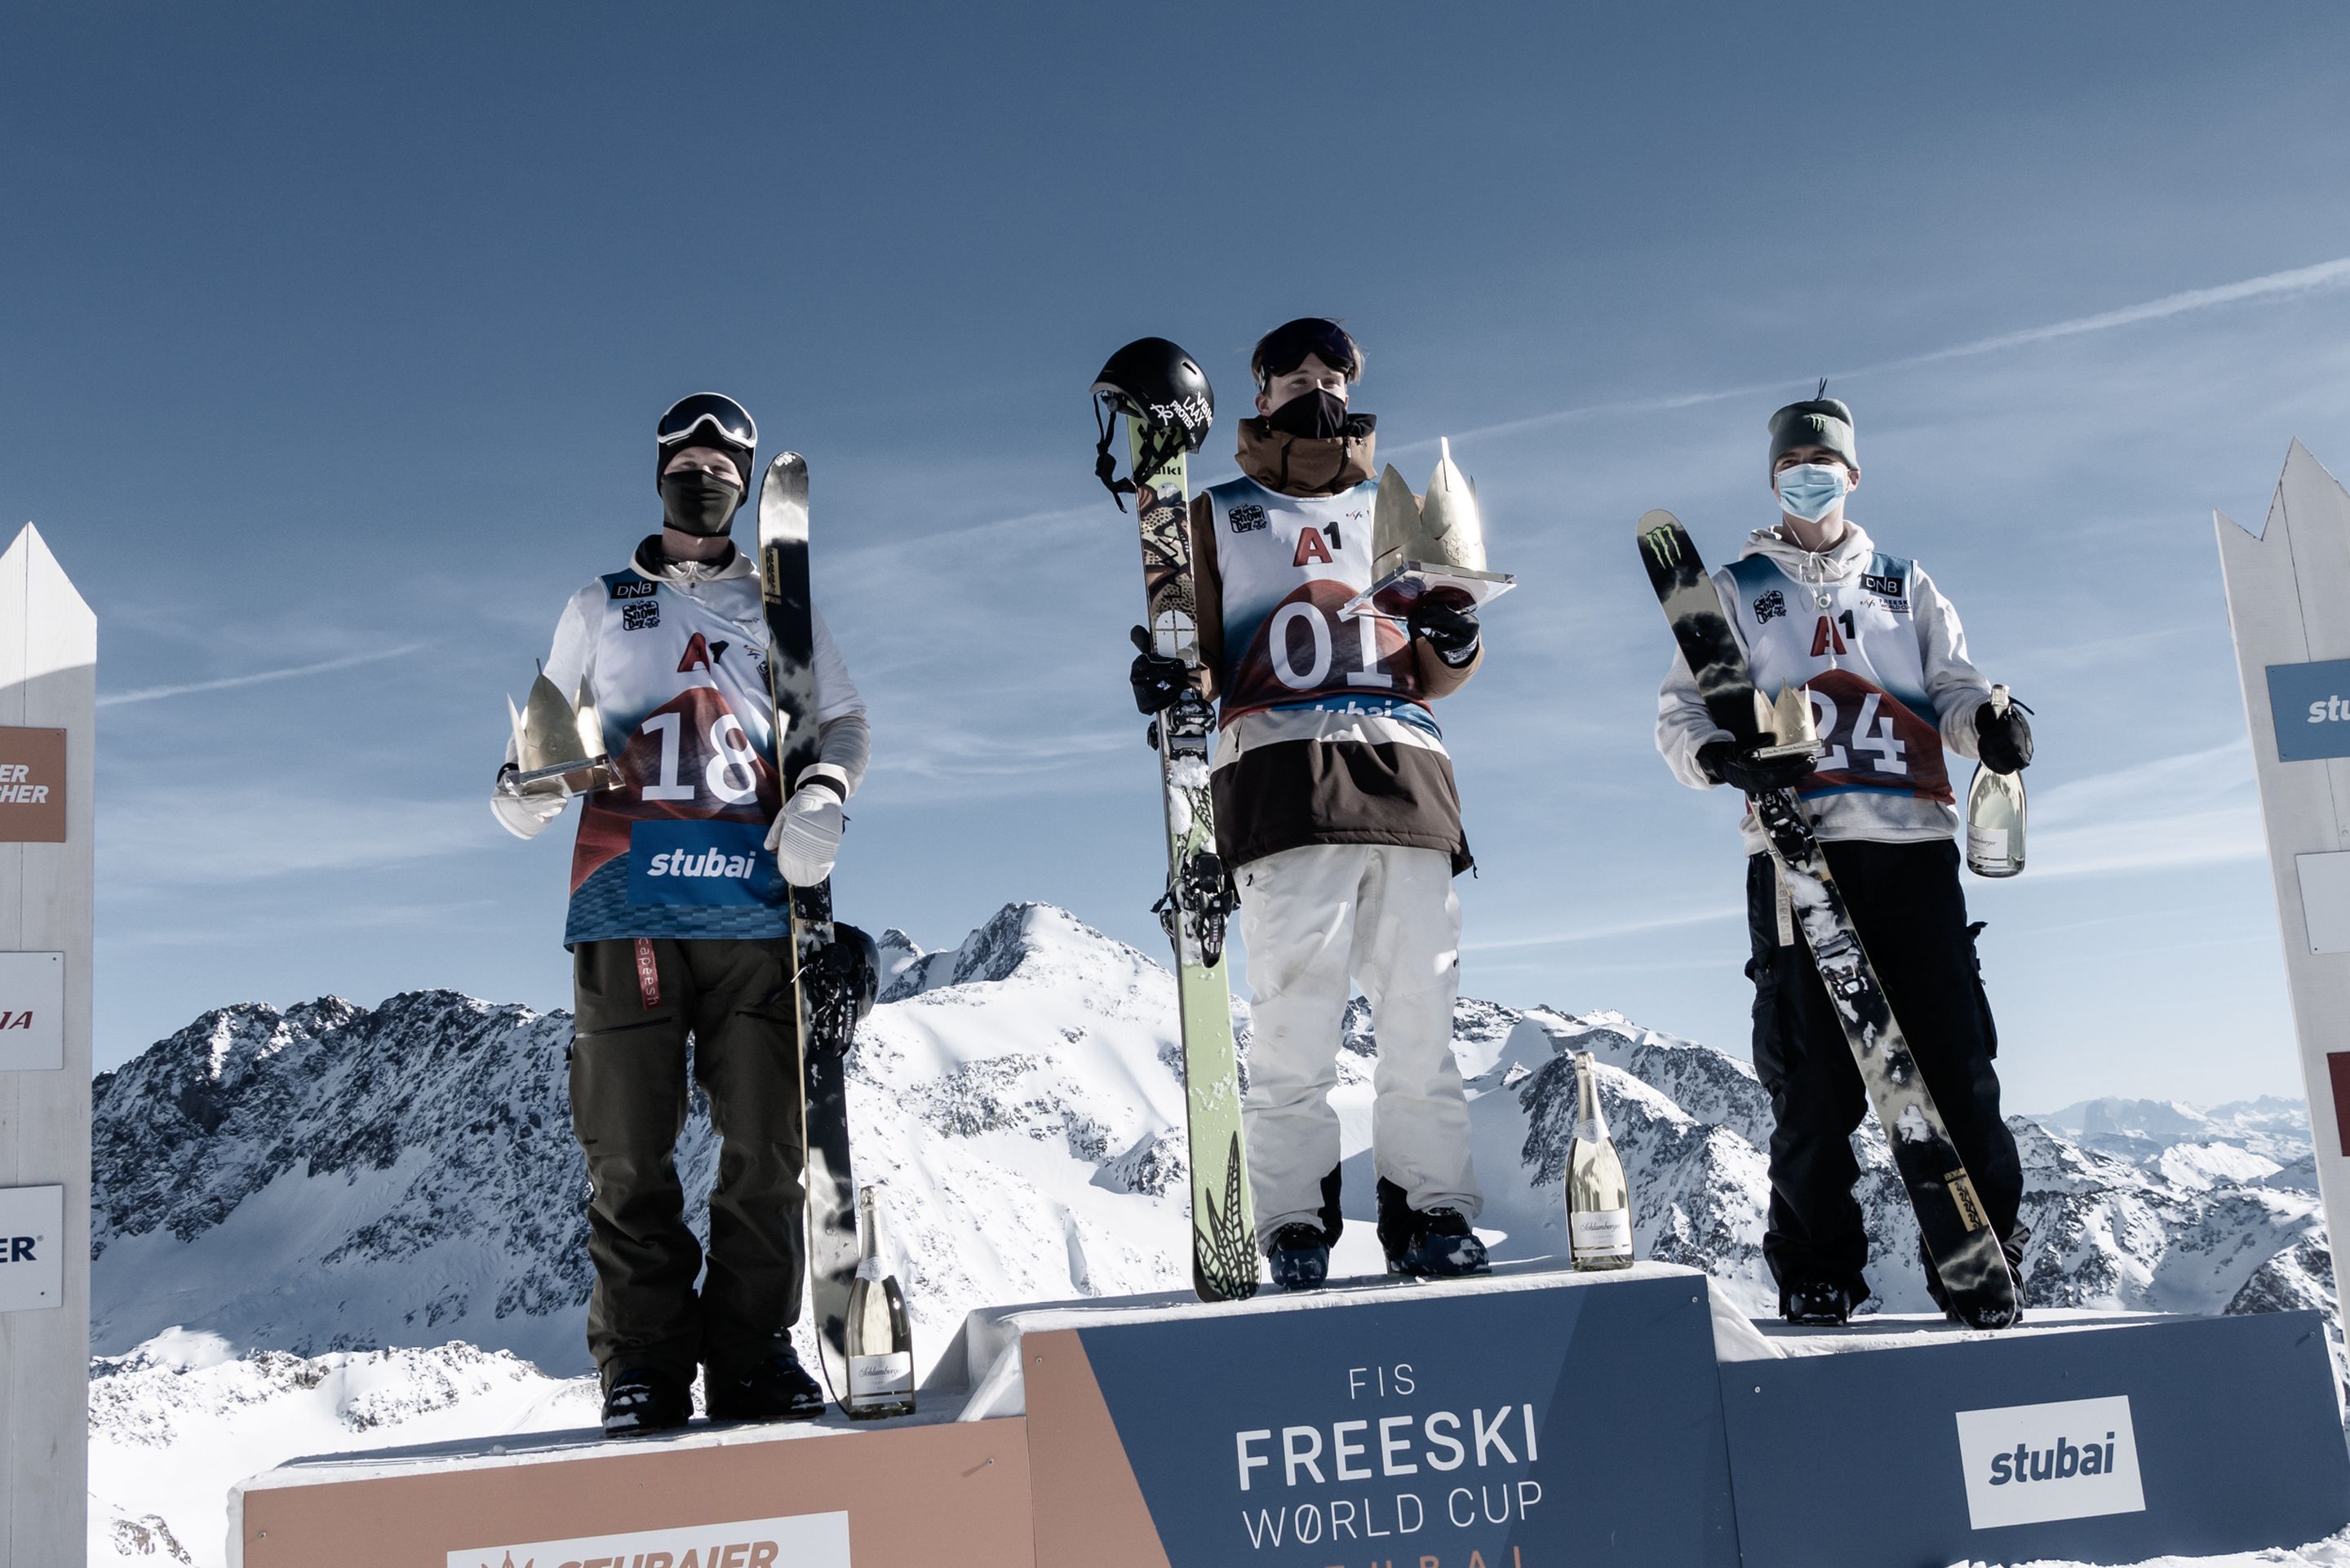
{"x": 638, "y": 1000}
{"x": 1911, "y": 915}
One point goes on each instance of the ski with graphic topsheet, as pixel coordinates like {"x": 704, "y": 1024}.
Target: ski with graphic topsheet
{"x": 1958, "y": 1233}
{"x": 825, "y": 1037}
{"x": 1199, "y": 897}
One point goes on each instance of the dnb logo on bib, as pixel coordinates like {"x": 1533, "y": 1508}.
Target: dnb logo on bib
{"x": 701, "y": 862}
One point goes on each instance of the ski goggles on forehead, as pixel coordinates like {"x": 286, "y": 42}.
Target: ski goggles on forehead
{"x": 1286, "y": 347}
{"x": 709, "y": 413}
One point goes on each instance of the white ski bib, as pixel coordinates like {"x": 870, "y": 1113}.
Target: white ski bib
{"x": 1853, "y": 648}
{"x": 1288, "y": 563}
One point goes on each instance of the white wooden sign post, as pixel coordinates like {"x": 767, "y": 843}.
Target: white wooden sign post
{"x": 2289, "y": 605}
{"x": 49, "y": 722}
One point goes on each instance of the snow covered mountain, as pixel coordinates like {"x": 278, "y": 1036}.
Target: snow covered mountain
{"x": 297, "y": 1212}
{"x": 2262, "y": 1141}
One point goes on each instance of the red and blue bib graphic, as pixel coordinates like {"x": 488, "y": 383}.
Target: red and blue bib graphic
{"x": 1303, "y": 649}
{"x": 1872, "y": 739}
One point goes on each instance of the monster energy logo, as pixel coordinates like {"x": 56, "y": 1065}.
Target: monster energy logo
{"x": 1226, "y": 1250}
{"x": 1665, "y": 544}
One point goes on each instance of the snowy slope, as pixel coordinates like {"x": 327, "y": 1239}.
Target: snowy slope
{"x": 325, "y": 1198}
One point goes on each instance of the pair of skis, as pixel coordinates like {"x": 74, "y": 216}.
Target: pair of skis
{"x": 1957, "y": 1232}
{"x": 829, "y": 992}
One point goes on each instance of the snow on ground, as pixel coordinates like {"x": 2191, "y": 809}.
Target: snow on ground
{"x": 2334, "y": 1552}
{"x": 328, "y": 1197}
{"x": 179, "y": 1420}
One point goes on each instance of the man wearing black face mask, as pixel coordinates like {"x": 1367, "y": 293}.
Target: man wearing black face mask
{"x": 679, "y": 926}
{"x": 1336, "y": 811}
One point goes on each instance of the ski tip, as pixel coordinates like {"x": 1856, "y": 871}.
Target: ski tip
{"x": 784, "y": 463}
{"x": 1652, "y": 521}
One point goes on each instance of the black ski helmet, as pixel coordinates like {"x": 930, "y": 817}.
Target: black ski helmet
{"x": 1163, "y": 390}
{"x": 1155, "y": 381}
{"x": 707, "y": 418}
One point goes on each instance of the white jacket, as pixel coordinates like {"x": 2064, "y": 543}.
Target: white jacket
{"x": 1884, "y": 659}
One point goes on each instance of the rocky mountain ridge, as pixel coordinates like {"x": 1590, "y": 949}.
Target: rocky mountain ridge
{"x": 336, "y": 1177}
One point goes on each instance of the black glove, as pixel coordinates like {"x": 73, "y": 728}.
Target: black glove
{"x": 1158, "y": 680}
{"x": 2003, "y": 741}
{"x": 1727, "y": 762}
{"x": 1449, "y": 629}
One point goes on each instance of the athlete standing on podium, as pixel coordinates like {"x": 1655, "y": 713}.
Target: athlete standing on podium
{"x": 1884, "y": 660}
{"x": 680, "y": 925}
{"x": 1337, "y": 814}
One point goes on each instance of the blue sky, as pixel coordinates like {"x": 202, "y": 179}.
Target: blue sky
{"x": 331, "y": 340}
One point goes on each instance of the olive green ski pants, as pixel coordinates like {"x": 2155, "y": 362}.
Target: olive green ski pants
{"x": 637, "y": 1000}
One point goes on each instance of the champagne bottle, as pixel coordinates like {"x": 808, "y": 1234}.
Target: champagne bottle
{"x": 881, "y": 1345}
{"x": 1598, "y": 1200}
{"x": 1995, "y": 815}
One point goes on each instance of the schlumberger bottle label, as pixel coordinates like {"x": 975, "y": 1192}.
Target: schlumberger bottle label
{"x": 1606, "y": 1233}
{"x": 886, "y": 1379}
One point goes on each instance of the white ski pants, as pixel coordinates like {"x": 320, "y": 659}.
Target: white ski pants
{"x": 1385, "y": 917}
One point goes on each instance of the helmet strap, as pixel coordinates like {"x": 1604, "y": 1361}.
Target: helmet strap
{"x": 1105, "y": 465}
{"x": 1160, "y": 445}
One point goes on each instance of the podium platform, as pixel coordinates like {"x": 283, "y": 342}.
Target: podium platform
{"x": 1532, "y": 1419}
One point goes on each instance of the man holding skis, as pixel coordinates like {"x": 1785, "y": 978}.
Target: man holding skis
{"x": 680, "y": 925}
{"x": 1880, "y": 653}
{"x": 1337, "y": 816}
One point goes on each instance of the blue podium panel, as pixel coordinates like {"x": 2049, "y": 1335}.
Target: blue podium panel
{"x": 2111, "y": 1445}
{"x": 1433, "y": 1428}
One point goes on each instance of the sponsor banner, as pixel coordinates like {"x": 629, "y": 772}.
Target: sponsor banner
{"x": 32, "y": 786}
{"x": 2074, "y": 1459}
{"x": 797, "y": 1541}
{"x": 32, "y": 1012}
{"x": 2190, "y": 1437}
{"x": 686, "y": 861}
{"x": 2310, "y": 706}
{"x": 1540, "y": 1428}
{"x": 32, "y": 1247}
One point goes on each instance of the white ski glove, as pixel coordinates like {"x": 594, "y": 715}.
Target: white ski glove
{"x": 807, "y": 833}
{"x": 525, "y": 815}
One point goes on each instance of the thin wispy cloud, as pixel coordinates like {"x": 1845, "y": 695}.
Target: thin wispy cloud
{"x": 252, "y": 834}
{"x": 2198, "y": 808}
{"x": 2269, "y": 288}
{"x": 1704, "y": 916}
{"x": 2272, "y": 285}
{"x": 291, "y": 671}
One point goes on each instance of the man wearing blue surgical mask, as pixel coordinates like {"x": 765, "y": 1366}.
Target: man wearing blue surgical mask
{"x": 1871, "y": 640}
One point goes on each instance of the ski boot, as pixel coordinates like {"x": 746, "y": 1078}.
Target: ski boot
{"x": 776, "y": 1389}
{"x": 1439, "y": 1246}
{"x": 1299, "y": 1257}
{"x": 644, "y": 1400}
{"x": 1435, "y": 1245}
{"x": 1817, "y": 1304}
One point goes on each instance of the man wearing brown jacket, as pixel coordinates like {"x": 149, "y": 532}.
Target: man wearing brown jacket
{"x": 1336, "y": 810}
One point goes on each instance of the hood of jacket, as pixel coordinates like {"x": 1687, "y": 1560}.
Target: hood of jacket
{"x": 1846, "y": 559}
{"x": 1308, "y": 465}
{"x": 650, "y": 560}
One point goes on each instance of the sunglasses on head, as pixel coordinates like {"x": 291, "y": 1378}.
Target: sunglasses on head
{"x": 1286, "y": 347}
